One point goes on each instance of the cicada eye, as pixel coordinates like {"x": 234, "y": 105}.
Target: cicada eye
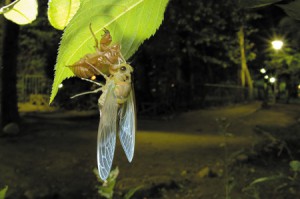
{"x": 123, "y": 69}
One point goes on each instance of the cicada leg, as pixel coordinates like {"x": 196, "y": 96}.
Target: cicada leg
{"x": 85, "y": 93}
{"x": 92, "y": 81}
{"x": 96, "y": 40}
{"x": 89, "y": 92}
{"x": 121, "y": 59}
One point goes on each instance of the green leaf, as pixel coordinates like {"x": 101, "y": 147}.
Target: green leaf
{"x": 256, "y": 3}
{"x": 60, "y": 12}
{"x": 295, "y": 165}
{"x": 107, "y": 188}
{"x": 265, "y": 179}
{"x": 291, "y": 9}
{"x": 3, "y": 192}
{"x": 23, "y": 12}
{"x": 130, "y": 22}
{"x": 8, "y": 7}
{"x": 132, "y": 191}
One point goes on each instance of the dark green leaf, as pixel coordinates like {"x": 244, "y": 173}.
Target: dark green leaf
{"x": 131, "y": 192}
{"x": 256, "y": 3}
{"x": 292, "y": 9}
{"x": 295, "y": 165}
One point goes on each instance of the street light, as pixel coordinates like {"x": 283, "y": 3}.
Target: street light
{"x": 272, "y": 80}
{"x": 277, "y": 44}
{"x": 266, "y": 76}
{"x": 262, "y": 70}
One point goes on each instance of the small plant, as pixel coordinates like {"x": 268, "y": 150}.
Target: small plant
{"x": 106, "y": 189}
{"x": 295, "y": 167}
{"x": 223, "y": 125}
{"x": 3, "y": 192}
{"x": 287, "y": 182}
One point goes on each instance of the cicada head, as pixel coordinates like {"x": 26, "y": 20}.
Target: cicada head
{"x": 122, "y": 73}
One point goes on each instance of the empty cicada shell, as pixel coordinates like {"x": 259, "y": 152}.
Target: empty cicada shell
{"x": 102, "y": 61}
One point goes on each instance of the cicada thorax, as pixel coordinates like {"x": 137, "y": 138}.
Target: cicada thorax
{"x": 102, "y": 61}
{"x": 121, "y": 79}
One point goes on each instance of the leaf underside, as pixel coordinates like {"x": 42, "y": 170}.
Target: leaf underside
{"x": 59, "y": 19}
{"x": 23, "y": 12}
{"x": 130, "y": 22}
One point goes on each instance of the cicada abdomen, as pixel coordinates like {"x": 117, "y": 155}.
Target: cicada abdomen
{"x": 89, "y": 66}
{"x": 102, "y": 61}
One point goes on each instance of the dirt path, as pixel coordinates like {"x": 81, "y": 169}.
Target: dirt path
{"x": 54, "y": 156}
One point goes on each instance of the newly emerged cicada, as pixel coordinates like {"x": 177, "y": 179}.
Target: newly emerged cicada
{"x": 103, "y": 60}
{"x": 116, "y": 103}
{"x": 117, "y": 114}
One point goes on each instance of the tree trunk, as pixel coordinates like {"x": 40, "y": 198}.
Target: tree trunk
{"x": 245, "y": 76}
{"x": 1, "y": 67}
{"x": 9, "y": 105}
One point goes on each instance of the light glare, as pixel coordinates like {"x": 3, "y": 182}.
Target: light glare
{"x": 263, "y": 71}
{"x": 277, "y": 44}
{"x": 272, "y": 79}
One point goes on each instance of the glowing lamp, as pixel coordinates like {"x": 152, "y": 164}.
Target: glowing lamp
{"x": 277, "y": 44}
{"x": 272, "y": 80}
{"x": 262, "y": 70}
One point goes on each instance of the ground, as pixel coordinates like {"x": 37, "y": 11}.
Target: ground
{"x": 190, "y": 155}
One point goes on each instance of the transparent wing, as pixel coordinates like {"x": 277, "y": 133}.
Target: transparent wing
{"x": 127, "y": 126}
{"x": 107, "y": 133}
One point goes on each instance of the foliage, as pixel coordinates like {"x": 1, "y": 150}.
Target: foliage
{"x": 223, "y": 125}
{"x": 3, "y": 192}
{"x": 196, "y": 45}
{"x": 292, "y": 9}
{"x": 295, "y": 167}
{"x": 107, "y": 188}
{"x": 38, "y": 43}
{"x": 132, "y": 191}
{"x": 286, "y": 182}
{"x": 286, "y": 60}
{"x": 129, "y": 22}
{"x": 21, "y": 11}
{"x": 59, "y": 19}
{"x": 256, "y": 3}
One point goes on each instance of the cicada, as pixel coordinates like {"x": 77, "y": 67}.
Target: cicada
{"x": 116, "y": 103}
{"x": 117, "y": 114}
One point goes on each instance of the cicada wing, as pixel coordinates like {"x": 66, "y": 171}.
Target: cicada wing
{"x": 127, "y": 126}
{"x": 107, "y": 133}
